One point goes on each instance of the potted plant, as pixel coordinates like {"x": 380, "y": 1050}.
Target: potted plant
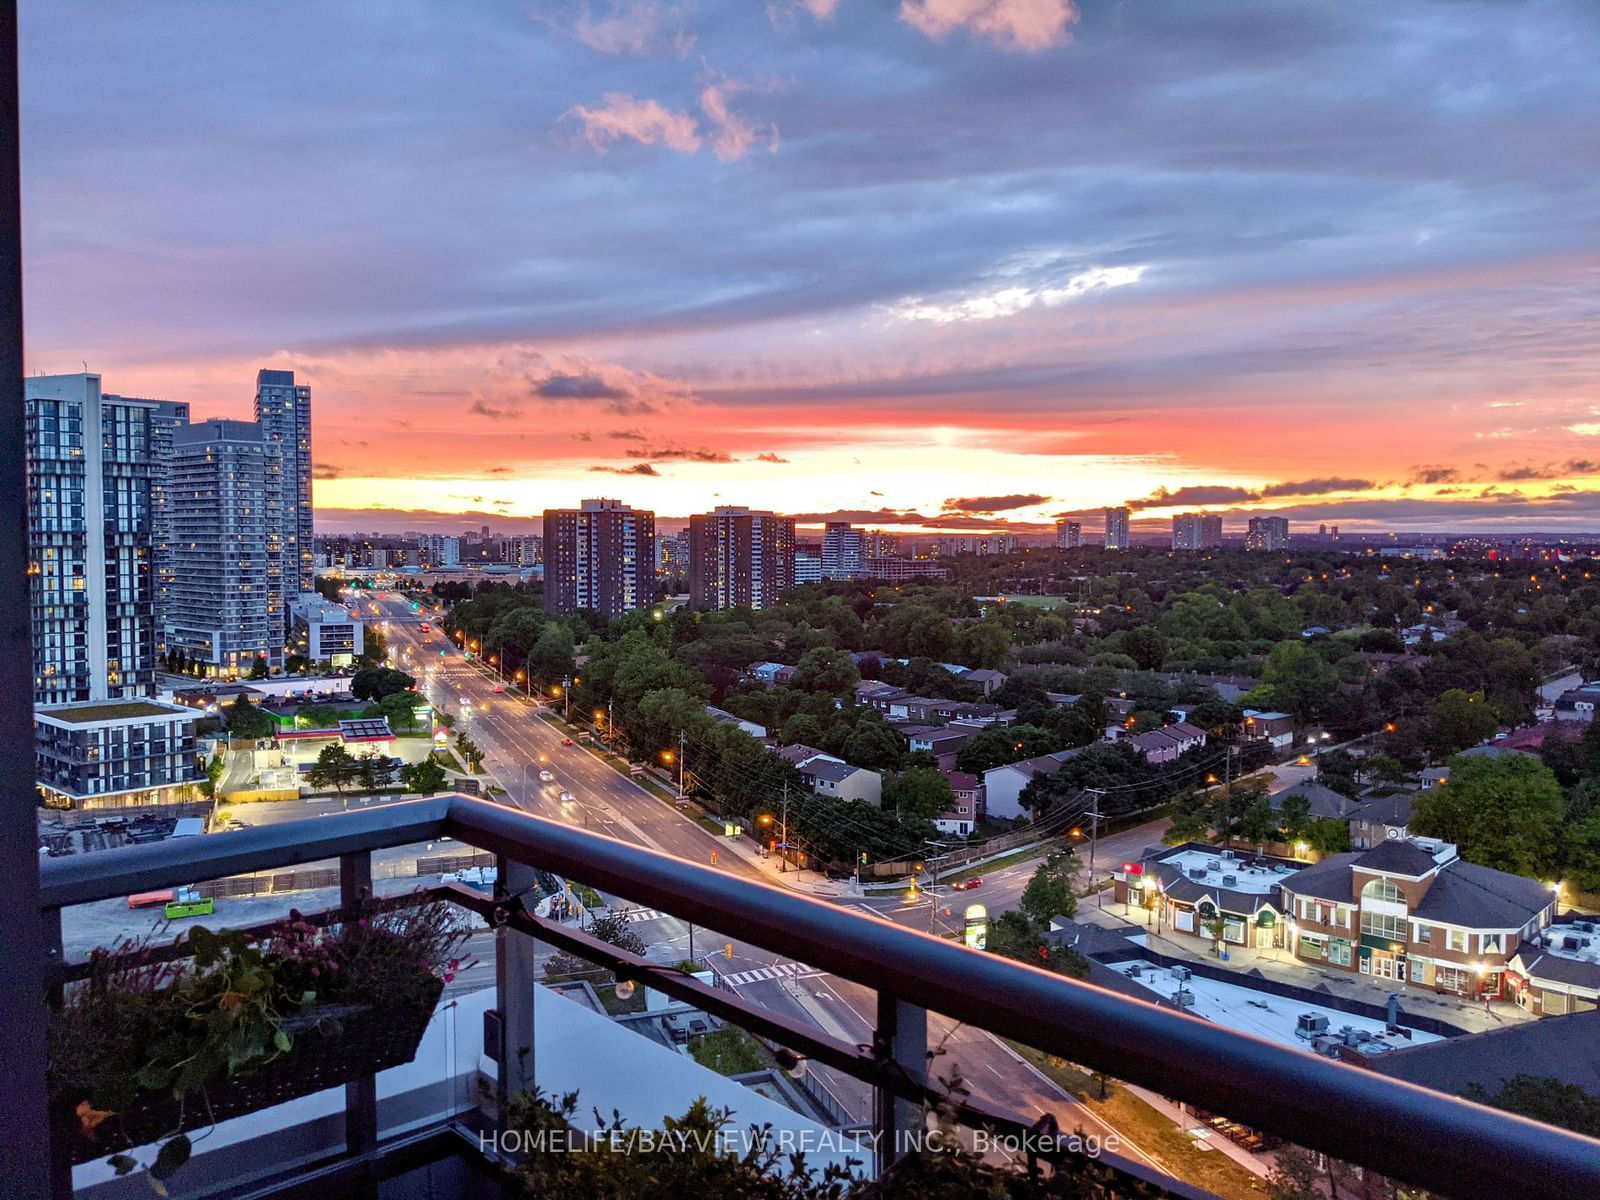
{"x": 143, "y": 1050}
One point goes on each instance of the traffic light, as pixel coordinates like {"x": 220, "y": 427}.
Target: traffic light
{"x": 863, "y": 858}
{"x": 713, "y": 858}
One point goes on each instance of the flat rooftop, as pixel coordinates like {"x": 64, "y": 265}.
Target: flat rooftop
{"x": 112, "y": 710}
{"x": 1578, "y": 940}
{"x": 1264, "y": 1014}
{"x": 1233, "y": 874}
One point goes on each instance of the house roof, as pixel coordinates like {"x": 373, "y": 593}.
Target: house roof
{"x": 961, "y": 781}
{"x": 800, "y": 753}
{"x": 1322, "y": 801}
{"x": 945, "y": 734}
{"x": 1397, "y": 858}
{"x": 983, "y": 675}
{"x": 1482, "y": 898}
{"x": 1044, "y": 763}
{"x": 1184, "y": 729}
{"x": 1326, "y": 880}
{"x": 1558, "y": 968}
{"x": 1565, "y": 1048}
{"x": 830, "y": 769}
{"x": 1387, "y": 810}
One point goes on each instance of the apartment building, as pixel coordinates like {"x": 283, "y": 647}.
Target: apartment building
{"x": 739, "y": 558}
{"x": 115, "y": 753}
{"x": 600, "y": 556}
{"x": 1196, "y": 531}
{"x": 91, "y": 577}
{"x": 323, "y": 631}
{"x": 226, "y": 491}
{"x": 1069, "y": 535}
{"x": 1267, "y": 533}
{"x": 1117, "y": 536}
{"x": 283, "y": 410}
{"x": 842, "y": 556}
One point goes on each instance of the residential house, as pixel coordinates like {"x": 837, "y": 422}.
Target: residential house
{"x": 1322, "y": 803}
{"x": 1168, "y": 743}
{"x": 1578, "y": 704}
{"x": 1275, "y": 728}
{"x": 770, "y": 674}
{"x": 943, "y": 742}
{"x": 1412, "y": 911}
{"x": 1188, "y": 888}
{"x": 723, "y": 717}
{"x": 1381, "y": 819}
{"x": 967, "y": 809}
{"x": 1382, "y": 662}
{"x": 838, "y": 780}
{"x": 987, "y": 681}
{"x": 1003, "y": 785}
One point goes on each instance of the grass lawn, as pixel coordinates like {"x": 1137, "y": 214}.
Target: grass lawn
{"x": 730, "y": 1051}
{"x": 1151, "y": 1131}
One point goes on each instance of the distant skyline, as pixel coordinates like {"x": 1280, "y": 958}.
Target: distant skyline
{"x": 942, "y": 265}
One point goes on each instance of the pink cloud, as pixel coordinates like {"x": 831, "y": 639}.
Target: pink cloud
{"x": 732, "y": 136}
{"x": 1027, "y": 25}
{"x": 634, "y": 29}
{"x": 646, "y": 121}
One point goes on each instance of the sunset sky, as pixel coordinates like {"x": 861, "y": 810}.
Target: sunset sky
{"x": 935, "y": 263}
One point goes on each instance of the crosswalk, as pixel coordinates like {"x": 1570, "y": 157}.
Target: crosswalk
{"x": 634, "y": 915}
{"x": 784, "y": 970}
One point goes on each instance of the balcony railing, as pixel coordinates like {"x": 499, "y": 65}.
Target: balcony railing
{"x": 1419, "y": 1137}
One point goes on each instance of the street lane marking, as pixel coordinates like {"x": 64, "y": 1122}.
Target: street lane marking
{"x": 788, "y": 970}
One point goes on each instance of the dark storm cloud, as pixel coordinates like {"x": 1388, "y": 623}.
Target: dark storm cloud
{"x": 636, "y": 469}
{"x": 1196, "y": 494}
{"x": 1317, "y": 487}
{"x": 992, "y": 504}
{"x": 665, "y": 454}
{"x": 324, "y": 471}
{"x": 559, "y": 386}
{"x": 483, "y": 408}
{"x": 1435, "y": 475}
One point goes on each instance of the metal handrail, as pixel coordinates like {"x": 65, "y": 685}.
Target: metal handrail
{"x": 1412, "y": 1134}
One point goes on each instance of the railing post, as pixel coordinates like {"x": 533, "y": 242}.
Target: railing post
{"x": 901, "y": 1047}
{"x": 360, "y": 1095}
{"x": 514, "y": 979}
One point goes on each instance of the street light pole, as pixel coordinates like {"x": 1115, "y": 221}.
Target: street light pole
{"x": 783, "y": 862}
{"x": 1094, "y": 833}
{"x": 683, "y": 738}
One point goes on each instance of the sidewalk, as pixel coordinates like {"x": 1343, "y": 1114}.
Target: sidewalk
{"x": 1277, "y": 965}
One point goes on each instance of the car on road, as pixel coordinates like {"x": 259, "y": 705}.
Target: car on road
{"x": 966, "y": 885}
{"x": 547, "y": 776}
{"x": 233, "y": 824}
{"x": 567, "y": 797}
{"x": 566, "y": 741}
{"x": 499, "y": 689}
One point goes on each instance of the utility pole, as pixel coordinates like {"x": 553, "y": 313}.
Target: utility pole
{"x": 566, "y": 697}
{"x": 1094, "y": 833}
{"x": 783, "y": 863}
{"x": 683, "y": 738}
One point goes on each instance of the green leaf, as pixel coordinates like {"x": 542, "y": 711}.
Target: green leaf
{"x": 172, "y": 1155}
{"x": 281, "y": 1040}
{"x": 122, "y": 1163}
{"x": 307, "y": 999}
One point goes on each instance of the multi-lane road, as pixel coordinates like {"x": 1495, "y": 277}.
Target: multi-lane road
{"x": 518, "y": 745}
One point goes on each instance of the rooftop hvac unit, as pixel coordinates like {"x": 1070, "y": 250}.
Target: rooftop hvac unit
{"x": 1356, "y": 1037}
{"x": 1310, "y": 1024}
{"x": 1197, "y": 872}
{"x": 1182, "y": 974}
{"x": 1227, "y": 854}
{"x": 1213, "y": 865}
{"x": 1135, "y": 971}
{"x": 1571, "y": 943}
{"x": 1183, "y": 998}
{"x": 1230, "y": 881}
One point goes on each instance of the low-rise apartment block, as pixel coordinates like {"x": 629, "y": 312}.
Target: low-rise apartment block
{"x": 115, "y": 753}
